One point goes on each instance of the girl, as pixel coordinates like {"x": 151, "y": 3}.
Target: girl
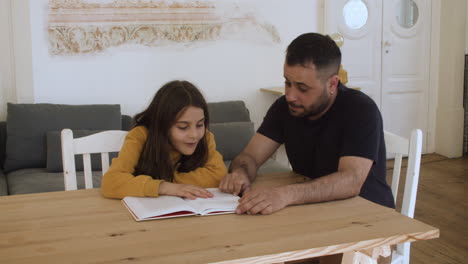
{"x": 169, "y": 151}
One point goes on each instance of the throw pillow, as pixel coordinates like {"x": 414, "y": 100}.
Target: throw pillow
{"x": 231, "y": 138}
{"x": 228, "y": 111}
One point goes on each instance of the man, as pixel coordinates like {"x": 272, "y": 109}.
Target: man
{"x": 332, "y": 134}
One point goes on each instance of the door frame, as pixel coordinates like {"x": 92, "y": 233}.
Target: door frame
{"x": 433, "y": 76}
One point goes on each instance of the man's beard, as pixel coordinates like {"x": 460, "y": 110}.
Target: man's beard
{"x": 313, "y": 110}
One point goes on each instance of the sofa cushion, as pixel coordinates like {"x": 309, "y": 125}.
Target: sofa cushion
{"x": 3, "y": 184}
{"x": 39, "y": 180}
{"x": 231, "y": 138}
{"x": 29, "y": 123}
{"x": 54, "y": 152}
{"x": 127, "y": 122}
{"x": 228, "y": 111}
{"x": 2, "y": 142}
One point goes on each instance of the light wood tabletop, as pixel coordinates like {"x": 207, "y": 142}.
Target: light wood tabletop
{"x": 83, "y": 227}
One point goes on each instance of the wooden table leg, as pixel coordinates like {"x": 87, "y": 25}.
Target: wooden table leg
{"x": 375, "y": 253}
{"x": 368, "y": 256}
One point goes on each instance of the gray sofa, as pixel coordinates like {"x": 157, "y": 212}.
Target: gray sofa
{"x": 30, "y": 157}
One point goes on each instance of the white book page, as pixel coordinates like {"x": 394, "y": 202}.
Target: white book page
{"x": 220, "y": 203}
{"x": 147, "y": 207}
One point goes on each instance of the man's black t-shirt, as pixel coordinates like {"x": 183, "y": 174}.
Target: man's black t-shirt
{"x": 351, "y": 127}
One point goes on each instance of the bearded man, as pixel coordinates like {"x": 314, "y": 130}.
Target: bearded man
{"x": 332, "y": 134}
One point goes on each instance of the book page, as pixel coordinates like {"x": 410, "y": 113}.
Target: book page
{"x": 146, "y": 208}
{"x": 220, "y": 203}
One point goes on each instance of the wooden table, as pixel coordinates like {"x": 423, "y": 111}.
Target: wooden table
{"x": 83, "y": 227}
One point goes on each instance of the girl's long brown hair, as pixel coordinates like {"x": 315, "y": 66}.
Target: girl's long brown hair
{"x": 167, "y": 106}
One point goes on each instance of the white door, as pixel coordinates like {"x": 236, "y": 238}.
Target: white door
{"x": 386, "y": 53}
{"x": 405, "y": 66}
{"x": 362, "y": 33}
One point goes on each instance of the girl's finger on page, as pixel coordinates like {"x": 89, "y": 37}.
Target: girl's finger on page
{"x": 210, "y": 194}
{"x": 207, "y": 193}
{"x": 189, "y": 196}
{"x": 201, "y": 193}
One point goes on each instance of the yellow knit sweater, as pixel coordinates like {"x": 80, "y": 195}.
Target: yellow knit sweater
{"x": 119, "y": 180}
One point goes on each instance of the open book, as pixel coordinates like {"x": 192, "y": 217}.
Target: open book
{"x": 148, "y": 208}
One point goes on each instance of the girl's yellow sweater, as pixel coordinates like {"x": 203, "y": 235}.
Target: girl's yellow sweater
{"x": 119, "y": 180}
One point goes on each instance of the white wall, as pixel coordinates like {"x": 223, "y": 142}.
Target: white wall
{"x": 129, "y": 76}
{"x": 450, "y": 113}
{"x": 7, "y": 84}
{"x": 466, "y": 29}
{"x": 21, "y": 35}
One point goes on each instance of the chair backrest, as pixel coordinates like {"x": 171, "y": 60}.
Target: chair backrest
{"x": 411, "y": 148}
{"x": 402, "y": 147}
{"x": 103, "y": 143}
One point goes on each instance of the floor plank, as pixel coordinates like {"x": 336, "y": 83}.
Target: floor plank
{"x": 442, "y": 201}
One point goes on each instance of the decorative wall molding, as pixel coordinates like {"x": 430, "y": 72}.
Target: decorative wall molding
{"x": 80, "y": 4}
{"x": 78, "y": 26}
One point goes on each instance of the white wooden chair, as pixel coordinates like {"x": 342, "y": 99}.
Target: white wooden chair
{"x": 103, "y": 142}
{"x": 412, "y": 149}
{"x": 399, "y": 147}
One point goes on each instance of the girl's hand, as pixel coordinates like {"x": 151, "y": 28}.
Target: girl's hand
{"x": 183, "y": 190}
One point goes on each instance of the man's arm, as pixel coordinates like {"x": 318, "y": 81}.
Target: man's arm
{"x": 243, "y": 168}
{"x": 345, "y": 183}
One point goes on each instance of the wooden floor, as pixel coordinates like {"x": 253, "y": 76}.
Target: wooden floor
{"x": 442, "y": 201}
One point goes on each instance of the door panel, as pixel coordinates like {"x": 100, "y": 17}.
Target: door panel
{"x": 405, "y": 67}
{"x": 361, "y": 56}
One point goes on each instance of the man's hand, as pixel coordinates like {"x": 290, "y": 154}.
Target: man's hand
{"x": 235, "y": 182}
{"x": 263, "y": 201}
{"x": 183, "y": 190}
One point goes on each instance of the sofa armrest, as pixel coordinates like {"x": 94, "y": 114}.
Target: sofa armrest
{"x": 3, "y": 184}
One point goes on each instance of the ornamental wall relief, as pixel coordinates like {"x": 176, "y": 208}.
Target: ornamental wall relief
{"x": 84, "y": 26}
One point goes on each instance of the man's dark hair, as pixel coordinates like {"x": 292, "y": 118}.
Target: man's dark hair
{"x": 317, "y": 49}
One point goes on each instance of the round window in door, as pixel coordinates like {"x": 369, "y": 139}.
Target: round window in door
{"x": 355, "y": 14}
{"x": 407, "y": 13}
